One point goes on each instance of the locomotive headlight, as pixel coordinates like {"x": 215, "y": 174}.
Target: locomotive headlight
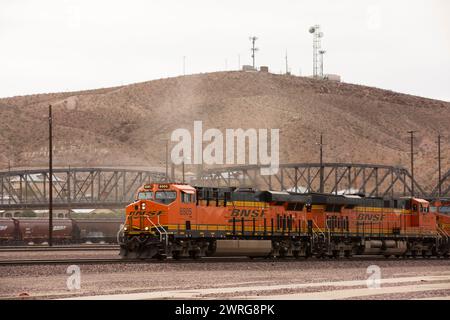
{"x": 146, "y": 229}
{"x": 143, "y": 206}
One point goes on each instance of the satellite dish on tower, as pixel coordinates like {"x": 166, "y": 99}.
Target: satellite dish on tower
{"x": 312, "y": 30}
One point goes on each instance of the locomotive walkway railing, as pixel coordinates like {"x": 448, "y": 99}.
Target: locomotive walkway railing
{"x": 73, "y": 187}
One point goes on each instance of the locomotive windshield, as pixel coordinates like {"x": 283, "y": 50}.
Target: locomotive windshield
{"x": 146, "y": 195}
{"x": 165, "y": 197}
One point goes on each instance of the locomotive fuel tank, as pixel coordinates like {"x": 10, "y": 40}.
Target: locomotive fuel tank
{"x": 243, "y": 248}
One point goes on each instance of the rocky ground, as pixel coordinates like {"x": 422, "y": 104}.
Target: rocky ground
{"x": 282, "y": 279}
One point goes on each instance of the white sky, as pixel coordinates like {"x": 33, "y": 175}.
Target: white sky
{"x": 65, "y": 45}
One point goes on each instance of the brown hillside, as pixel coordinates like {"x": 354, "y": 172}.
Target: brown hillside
{"x": 127, "y": 125}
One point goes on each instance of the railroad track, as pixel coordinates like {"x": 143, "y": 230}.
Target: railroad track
{"x": 61, "y": 248}
{"x": 24, "y": 262}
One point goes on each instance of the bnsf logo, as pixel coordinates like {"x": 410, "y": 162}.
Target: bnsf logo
{"x": 370, "y": 217}
{"x": 3, "y": 228}
{"x": 253, "y": 213}
{"x": 149, "y": 213}
{"x": 59, "y": 228}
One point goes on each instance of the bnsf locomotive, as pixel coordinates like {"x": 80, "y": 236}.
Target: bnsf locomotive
{"x": 179, "y": 220}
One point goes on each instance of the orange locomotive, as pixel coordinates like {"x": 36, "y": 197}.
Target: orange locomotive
{"x": 179, "y": 220}
{"x": 441, "y": 208}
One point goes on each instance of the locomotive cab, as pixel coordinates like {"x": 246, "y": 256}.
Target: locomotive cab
{"x": 158, "y": 207}
{"x": 420, "y": 210}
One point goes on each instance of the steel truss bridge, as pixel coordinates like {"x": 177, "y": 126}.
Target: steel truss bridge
{"x": 73, "y": 187}
{"x": 371, "y": 180}
{"x": 115, "y": 187}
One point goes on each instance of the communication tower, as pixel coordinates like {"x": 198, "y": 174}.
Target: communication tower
{"x": 317, "y": 36}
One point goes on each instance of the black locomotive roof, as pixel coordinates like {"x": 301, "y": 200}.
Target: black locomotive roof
{"x": 248, "y": 194}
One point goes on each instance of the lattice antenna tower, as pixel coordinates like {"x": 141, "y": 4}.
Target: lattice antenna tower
{"x": 317, "y": 36}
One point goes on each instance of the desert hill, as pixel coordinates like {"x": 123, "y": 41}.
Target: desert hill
{"x": 128, "y": 125}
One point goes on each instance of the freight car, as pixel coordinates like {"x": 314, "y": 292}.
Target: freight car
{"x": 9, "y": 231}
{"x": 17, "y": 231}
{"x": 96, "y": 230}
{"x": 179, "y": 220}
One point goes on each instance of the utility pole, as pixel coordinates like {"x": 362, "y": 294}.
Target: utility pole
{"x": 183, "y": 170}
{"x": 167, "y": 160}
{"x": 412, "y": 161}
{"x": 253, "y": 49}
{"x": 50, "y": 178}
{"x": 439, "y": 166}
{"x": 9, "y": 181}
{"x": 321, "y": 187}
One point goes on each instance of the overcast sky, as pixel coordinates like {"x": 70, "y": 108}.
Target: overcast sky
{"x": 62, "y": 45}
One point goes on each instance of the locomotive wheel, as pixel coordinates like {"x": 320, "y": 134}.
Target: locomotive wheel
{"x": 176, "y": 255}
{"x": 161, "y": 256}
{"x": 194, "y": 255}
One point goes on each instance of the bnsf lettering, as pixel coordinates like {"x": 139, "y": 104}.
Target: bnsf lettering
{"x": 150, "y": 213}
{"x": 370, "y": 217}
{"x": 252, "y": 213}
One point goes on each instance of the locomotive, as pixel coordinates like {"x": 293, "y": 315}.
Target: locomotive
{"x": 178, "y": 220}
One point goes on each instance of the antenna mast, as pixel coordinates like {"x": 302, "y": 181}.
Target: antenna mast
{"x": 287, "y": 67}
{"x": 253, "y": 49}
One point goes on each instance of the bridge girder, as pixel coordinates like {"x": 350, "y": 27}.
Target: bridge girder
{"x": 370, "y": 179}
{"x": 73, "y": 187}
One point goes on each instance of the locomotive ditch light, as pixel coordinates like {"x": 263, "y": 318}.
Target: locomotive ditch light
{"x": 125, "y": 229}
{"x": 146, "y": 228}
